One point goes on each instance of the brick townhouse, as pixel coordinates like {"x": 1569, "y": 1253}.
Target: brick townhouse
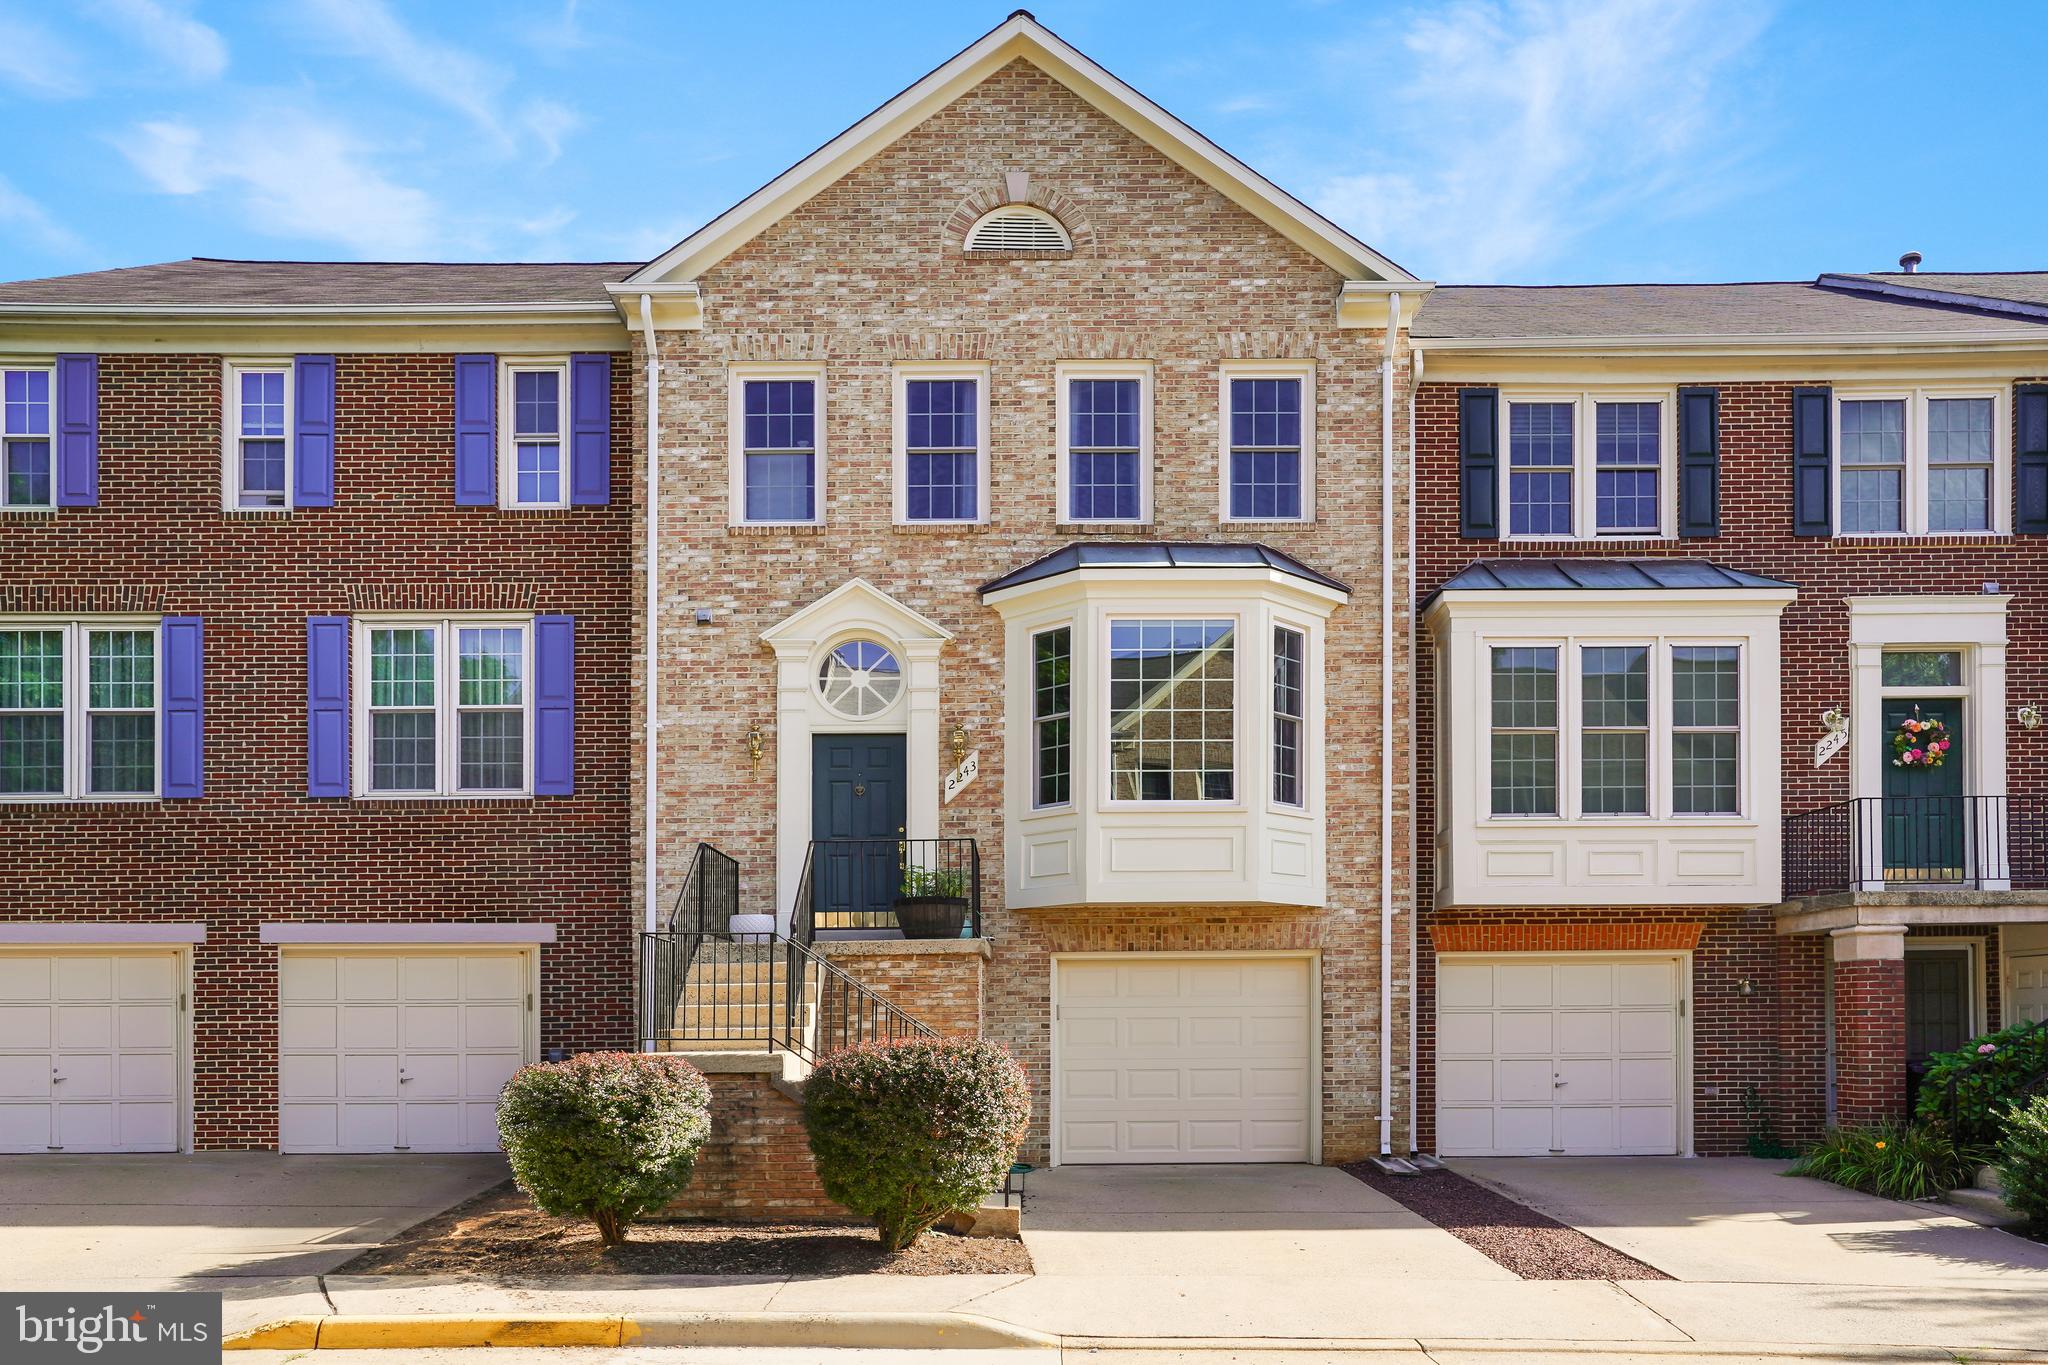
{"x": 314, "y": 631}
{"x": 1695, "y": 561}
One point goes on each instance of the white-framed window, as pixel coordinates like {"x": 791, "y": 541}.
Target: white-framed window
{"x": 942, "y": 461}
{"x": 28, "y": 450}
{"x": 533, "y": 427}
{"x": 1921, "y": 461}
{"x": 256, "y": 458}
{"x": 1172, "y": 728}
{"x": 1597, "y": 465}
{"x": 1591, "y": 728}
{"x": 78, "y": 709}
{"x": 1105, "y": 441}
{"x": 1290, "y": 703}
{"x": 444, "y": 707}
{"x": 1052, "y": 718}
{"x": 776, "y": 418}
{"x": 1267, "y": 414}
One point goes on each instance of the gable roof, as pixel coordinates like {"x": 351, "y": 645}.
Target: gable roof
{"x": 1020, "y": 35}
{"x": 205, "y": 284}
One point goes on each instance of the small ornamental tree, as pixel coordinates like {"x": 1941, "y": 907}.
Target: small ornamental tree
{"x": 2023, "y": 1162}
{"x": 608, "y": 1135}
{"x": 904, "y": 1133}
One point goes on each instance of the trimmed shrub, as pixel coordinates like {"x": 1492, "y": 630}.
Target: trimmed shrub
{"x": 2023, "y": 1161}
{"x": 2009, "y": 1059}
{"x": 904, "y": 1133}
{"x": 608, "y": 1135}
{"x": 1910, "y": 1161}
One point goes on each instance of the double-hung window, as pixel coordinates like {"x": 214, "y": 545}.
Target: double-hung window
{"x": 1268, "y": 441}
{"x": 1920, "y": 462}
{"x": 444, "y": 707}
{"x": 1525, "y": 730}
{"x": 1706, "y": 708}
{"x": 1614, "y": 744}
{"x": 535, "y": 418}
{"x": 777, "y": 418}
{"x": 78, "y": 710}
{"x": 1290, "y": 661}
{"x": 941, "y": 445}
{"x": 258, "y": 459}
{"x": 27, "y": 473}
{"x": 1105, "y": 443}
{"x": 1172, "y": 710}
{"x": 1052, "y": 716}
{"x": 1588, "y": 466}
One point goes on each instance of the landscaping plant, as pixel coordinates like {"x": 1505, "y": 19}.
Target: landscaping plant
{"x": 1988, "y": 1073}
{"x": 1898, "y": 1161}
{"x": 905, "y": 1133}
{"x": 2023, "y": 1162}
{"x": 608, "y": 1135}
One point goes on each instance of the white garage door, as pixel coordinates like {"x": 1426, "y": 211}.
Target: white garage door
{"x": 1167, "y": 1059}
{"x": 397, "y": 1051}
{"x": 1571, "y": 1055}
{"x": 2029, "y": 989}
{"x": 89, "y": 1056}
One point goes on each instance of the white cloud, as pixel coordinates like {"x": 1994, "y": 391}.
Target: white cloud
{"x": 291, "y": 174}
{"x": 1535, "y": 121}
{"x": 194, "y": 50}
{"x": 31, "y": 222}
{"x": 34, "y": 61}
{"x": 1244, "y": 104}
{"x": 550, "y": 123}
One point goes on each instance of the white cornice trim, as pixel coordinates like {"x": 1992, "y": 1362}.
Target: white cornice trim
{"x": 1815, "y": 343}
{"x": 677, "y": 307}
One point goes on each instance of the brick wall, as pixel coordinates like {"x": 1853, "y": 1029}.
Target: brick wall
{"x": 757, "y": 1166}
{"x": 940, "y": 984}
{"x": 1870, "y": 1040}
{"x": 256, "y": 849}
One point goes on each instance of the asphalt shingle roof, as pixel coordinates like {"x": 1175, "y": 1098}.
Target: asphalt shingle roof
{"x": 238, "y": 284}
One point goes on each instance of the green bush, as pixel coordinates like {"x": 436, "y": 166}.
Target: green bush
{"x": 1911, "y": 1161}
{"x": 2023, "y": 1161}
{"x": 2009, "y": 1059}
{"x": 609, "y": 1135}
{"x": 904, "y": 1133}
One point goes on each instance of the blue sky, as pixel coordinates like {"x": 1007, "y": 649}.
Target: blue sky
{"x": 1524, "y": 141}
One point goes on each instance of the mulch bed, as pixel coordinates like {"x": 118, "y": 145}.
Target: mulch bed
{"x": 500, "y": 1233}
{"x": 1532, "y": 1245}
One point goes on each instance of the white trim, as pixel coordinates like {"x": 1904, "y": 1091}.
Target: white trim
{"x": 100, "y": 934}
{"x": 508, "y": 443}
{"x": 1316, "y": 1022}
{"x": 356, "y": 933}
{"x": 231, "y": 438}
{"x": 446, "y": 628}
{"x": 1584, "y": 403}
{"x": 1065, "y": 373}
{"x": 901, "y": 374}
{"x": 77, "y": 723}
{"x": 47, "y": 368}
{"x": 738, "y": 373}
{"x": 1915, "y": 484}
{"x": 1303, "y": 370}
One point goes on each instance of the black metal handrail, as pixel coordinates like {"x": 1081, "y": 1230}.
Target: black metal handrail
{"x": 703, "y": 910}
{"x": 2031, "y": 1085}
{"x": 1877, "y": 842}
{"x": 854, "y": 884}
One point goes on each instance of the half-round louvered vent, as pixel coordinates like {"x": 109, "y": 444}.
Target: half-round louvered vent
{"x": 1014, "y": 227}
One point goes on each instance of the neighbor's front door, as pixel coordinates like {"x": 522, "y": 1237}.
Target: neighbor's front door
{"x": 857, "y": 793}
{"x": 1925, "y": 821}
{"x": 1937, "y": 1007}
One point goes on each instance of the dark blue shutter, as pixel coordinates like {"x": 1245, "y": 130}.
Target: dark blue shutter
{"x": 1699, "y": 462}
{"x": 78, "y": 430}
{"x": 554, "y": 705}
{"x": 2030, "y": 460}
{"x": 327, "y": 706}
{"x": 476, "y": 430}
{"x": 184, "y": 707}
{"x": 1479, "y": 464}
{"x": 313, "y": 448}
{"x": 1813, "y": 473}
{"x": 590, "y": 435}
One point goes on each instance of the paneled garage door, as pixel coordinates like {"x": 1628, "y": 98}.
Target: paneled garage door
{"x": 1169, "y": 1059}
{"x": 2029, "y": 989}
{"x": 1571, "y": 1055}
{"x": 89, "y": 1055}
{"x": 397, "y": 1051}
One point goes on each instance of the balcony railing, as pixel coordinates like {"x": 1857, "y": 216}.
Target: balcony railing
{"x": 1882, "y": 843}
{"x": 855, "y": 885}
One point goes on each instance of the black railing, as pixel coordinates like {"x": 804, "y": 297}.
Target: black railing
{"x": 1880, "y": 842}
{"x": 710, "y": 896}
{"x": 856, "y": 884}
{"x": 2031, "y": 1085}
{"x": 702, "y": 910}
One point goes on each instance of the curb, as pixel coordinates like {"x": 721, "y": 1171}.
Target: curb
{"x": 420, "y": 1331}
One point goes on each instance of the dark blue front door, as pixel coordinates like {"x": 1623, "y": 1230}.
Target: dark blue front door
{"x": 857, "y": 815}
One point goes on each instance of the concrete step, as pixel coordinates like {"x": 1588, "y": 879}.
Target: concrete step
{"x": 1987, "y": 1179}
{"x": 1982, "y": 1206}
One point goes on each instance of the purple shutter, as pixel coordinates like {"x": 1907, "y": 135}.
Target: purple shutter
{"x": 327, "y": 706}
{"x": 313, "y": 451}
{"x": 476, "y": 430}
{"x": 184, "y": 708}
{"x": 590, "y": 431}
{"x": 554, "y": 705}
{"x": 78, "y": 431}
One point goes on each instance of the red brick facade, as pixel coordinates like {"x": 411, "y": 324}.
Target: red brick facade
{"x": 1870, "y": 1040}
{"x": 256, "y": 849}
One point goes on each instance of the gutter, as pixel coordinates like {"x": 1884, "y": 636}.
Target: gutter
{"x": 1416, "y": 362}
{"x": 1386, "y": 1040}
{"x": 651, "y": 794}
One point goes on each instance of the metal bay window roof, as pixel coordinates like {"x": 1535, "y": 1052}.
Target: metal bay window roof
{"x": 1160, "y": 557}
{"x": 1601, "y": 575}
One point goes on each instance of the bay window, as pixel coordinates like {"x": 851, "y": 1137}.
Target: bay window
{"x": 1172, "y": 710}
{"x": 1290, "y": 654}
{"x": 1052, "y": 716}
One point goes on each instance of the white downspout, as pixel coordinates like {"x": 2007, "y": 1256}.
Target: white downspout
{"x": 1415, "y": 367}
{"x": 652, "y": 793}
{"x": 1386, "y": 1116}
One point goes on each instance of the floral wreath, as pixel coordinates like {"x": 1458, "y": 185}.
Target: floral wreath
{"x": 1920, "y": 743}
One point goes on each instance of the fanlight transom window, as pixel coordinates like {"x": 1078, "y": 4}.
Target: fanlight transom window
{"x": 859, "y": 679}
{"x": 1018, "y": 227}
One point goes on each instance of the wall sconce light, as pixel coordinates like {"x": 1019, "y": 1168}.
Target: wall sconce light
{"x": 1745, "y": 987}
{"x": 2029, "y": 717}
{"x": 959, "y": 742}
{"x": 756, "y": 744}
{"x": 1834, "y": 719}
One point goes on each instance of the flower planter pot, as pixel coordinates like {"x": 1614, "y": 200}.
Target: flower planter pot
{"x": 751, "y": 928}
{"x": 931, "y": 916}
